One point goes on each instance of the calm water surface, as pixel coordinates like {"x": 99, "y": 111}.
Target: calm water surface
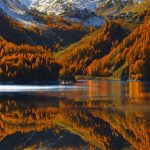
{"x": 109, "y": 115}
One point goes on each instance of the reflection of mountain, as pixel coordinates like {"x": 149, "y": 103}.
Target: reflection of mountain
{"x": 108, "y": 126}
{"x": 20, "y": 116}
{"x": 46, "y": 139}
{"x": 100, "y": 123}
{"x": 96, "y": 131}
{"x": 134, "y": 127}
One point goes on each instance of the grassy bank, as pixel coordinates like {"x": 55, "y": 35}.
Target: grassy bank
{"x": 96, "y": 78}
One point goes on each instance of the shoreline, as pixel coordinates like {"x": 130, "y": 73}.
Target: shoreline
{"x": 97, "y": 78}
{"x": 68, "y": 82}
{"x": 107, "y": 79}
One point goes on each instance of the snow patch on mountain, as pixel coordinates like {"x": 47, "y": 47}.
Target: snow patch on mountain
{"x": 17, "y": 11}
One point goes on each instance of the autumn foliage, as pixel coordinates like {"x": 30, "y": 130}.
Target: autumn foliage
{"x": 96, "y": 46}
{"x": 112, "y": 53}
{"x": 131, "y": 57}
{"x": 52, "y": 32}
{"x": 26, "y": 63}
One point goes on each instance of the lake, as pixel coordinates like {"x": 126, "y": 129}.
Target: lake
{"x": 109, "y": 115}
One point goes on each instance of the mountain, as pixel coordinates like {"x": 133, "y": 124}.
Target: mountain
{"x": 118, "y": 49}
{"x": 94, "y": 46}
{"x": 81, "y": 11}
{"x": 21, "y": 25}
{"x": 128, "y": 60}
{"x": 77, "y": 35}
{"x": 26, "y": 12}
{"x": 72, "y": 10}
{"x": 61, "y": 6}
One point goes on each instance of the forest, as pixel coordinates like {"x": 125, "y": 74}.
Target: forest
{"x": 96, "y": 46}
{"x": 130, "y": 59}
{"x": 26, "y": 63}
{"x": 119, "y": 49}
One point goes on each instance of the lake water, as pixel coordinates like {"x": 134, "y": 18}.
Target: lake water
{"x": 109, "y": 115}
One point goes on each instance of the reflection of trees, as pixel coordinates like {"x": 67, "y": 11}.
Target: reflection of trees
{"x": 18, "y": 115}
{"x": 80, "y": 120}
{"x": 97, "y": 122}
{"x": 108, "y": 88}
{"x": 137, "y": 92}
{"x": 132, "y": 125}
{"x": 102, "y": 125}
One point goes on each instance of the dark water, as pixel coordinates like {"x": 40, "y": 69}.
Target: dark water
{"x": 88, "y": 115}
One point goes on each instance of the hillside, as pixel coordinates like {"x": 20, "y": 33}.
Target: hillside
{"x": 129, "y": 60}
{"x": 94, "y": 54}
{"x": 54, "y": 31}
{"x": 92, "y": 47}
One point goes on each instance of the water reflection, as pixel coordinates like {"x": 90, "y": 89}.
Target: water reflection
{"x": 98, "y": 117}
{"x": 37, "y": 88}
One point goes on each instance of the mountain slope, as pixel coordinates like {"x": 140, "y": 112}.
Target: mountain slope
{"x": 129, "y": 60}
{"x": 51, "y": 35}
{"x": 98, "y": 44}
{"x": 116, "y": 49}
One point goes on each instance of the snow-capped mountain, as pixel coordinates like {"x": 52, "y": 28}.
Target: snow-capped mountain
{"x": 17, "y": 11}
{"x": 60, "y": 6}
{"x": 20, "y": 10}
